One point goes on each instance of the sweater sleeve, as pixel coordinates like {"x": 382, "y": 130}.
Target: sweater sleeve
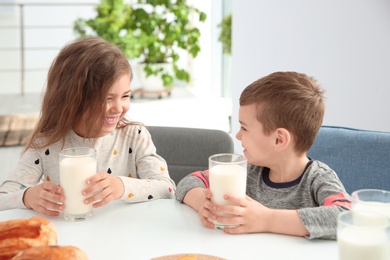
{"x": 329, "y": 192}
{"x": 321, "y": 222}
{"x": 27, "y": 173}
{"x": 153, "y": 180}
{"x": 193, "y": 180}
{"x": 12, "y": 200}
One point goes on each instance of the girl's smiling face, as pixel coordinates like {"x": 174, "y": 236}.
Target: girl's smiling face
{"x": 118, "y": 103}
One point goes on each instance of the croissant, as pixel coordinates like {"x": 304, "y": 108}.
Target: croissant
{"x": 21, "y": 234}
{"x": 51, "y": 253}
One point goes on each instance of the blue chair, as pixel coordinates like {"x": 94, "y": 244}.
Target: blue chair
{"x": 361, "y": 158}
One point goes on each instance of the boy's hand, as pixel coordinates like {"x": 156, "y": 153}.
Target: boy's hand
{"x": 200, "y": 199}
{"x": 250, "y": 215}
{"x": 253, "y": 217}
{"x": 205, "y": 210}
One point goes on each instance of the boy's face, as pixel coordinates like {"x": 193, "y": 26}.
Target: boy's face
{"x": 258, "y": 147}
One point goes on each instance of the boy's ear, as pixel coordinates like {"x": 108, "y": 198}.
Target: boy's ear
{"x": 283, "y": 139}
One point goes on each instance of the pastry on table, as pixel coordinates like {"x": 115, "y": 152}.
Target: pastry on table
{"x": 21, "y": 234}
{"x": 51, "y": 253}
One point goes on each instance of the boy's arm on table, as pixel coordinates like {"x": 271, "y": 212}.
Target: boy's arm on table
{"x": 191, "y": 189}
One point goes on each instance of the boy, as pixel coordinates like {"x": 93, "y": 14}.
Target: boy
{"x": 287, "y": 192}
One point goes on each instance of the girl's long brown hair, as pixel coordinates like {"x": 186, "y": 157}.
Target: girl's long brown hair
{"x": 77, "y": 84}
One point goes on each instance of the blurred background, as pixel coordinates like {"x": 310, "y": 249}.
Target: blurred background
{"x": 32, "y": 33}
{"x": 343, "y": 44}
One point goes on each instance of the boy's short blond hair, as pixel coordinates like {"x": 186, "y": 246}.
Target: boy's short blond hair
{"x": 289, "y": 100}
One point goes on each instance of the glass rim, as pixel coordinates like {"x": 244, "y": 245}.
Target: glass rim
{"x": 92, "y": 151}
{"x": 364, "y": 190}
{"x": 367, "y": 196}
{"x": 342, "y": 215}
{"x": 240, "y": 158}
{"x": 370, "y": 190}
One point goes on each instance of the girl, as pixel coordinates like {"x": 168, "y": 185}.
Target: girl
{"x": 85, "y": 104}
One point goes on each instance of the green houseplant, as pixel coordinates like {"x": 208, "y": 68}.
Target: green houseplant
{"x": 113, "y": 24}
{"x": 225, "y": 35}
{"x": 151, "y": 30}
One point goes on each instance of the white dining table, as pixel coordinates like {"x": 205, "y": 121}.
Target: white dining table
{"x": 166, "y": 227}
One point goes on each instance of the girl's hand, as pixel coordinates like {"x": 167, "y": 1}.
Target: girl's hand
{"x": 249, "y": 215}
{"x": 103, "y": 188}
{"x": 46, "y": 198}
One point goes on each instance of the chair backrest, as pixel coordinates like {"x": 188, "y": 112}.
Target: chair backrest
{"x": 361, "y": 158}
{"x": 187, "y": 149}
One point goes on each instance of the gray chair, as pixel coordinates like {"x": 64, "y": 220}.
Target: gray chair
{"x": 361, "y": 158}
{"x": 187, "y": 149}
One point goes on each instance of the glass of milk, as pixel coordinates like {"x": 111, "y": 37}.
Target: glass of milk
{"x": 227, "y": 175}
{"x": 77, "y": 164}
{"x": 372, "y": 200}
{"x": 362, "y": 240}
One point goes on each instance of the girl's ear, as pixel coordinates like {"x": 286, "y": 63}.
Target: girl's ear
{"x": 283, "y": 139}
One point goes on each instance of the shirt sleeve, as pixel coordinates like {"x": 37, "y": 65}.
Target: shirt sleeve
{"x": 321, "y": 221}
{"x": 153, "y": 180}
{"x": 193, "y": 180}
{"x": 27, "y": 173}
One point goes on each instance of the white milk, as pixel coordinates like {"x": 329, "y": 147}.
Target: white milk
{"x": 227, "y": 179}
{"x": 364, "y": 218}
{"x": 73, "y": 174}
{"x": 372, "y": 206}
{"x": 362, "y": 243}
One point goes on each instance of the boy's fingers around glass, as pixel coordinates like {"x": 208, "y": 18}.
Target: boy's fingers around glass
{"x": 235, "y": 230}
{"x": 206, "y": 222}
{"x": 206, "y": 216}
{"x": 230, "y": 210}
{"x": 229, "y": 220}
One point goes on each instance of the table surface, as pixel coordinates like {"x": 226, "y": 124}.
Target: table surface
{"x": 165, "y": 227}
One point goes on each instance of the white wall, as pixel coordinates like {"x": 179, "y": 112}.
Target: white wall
{"x": 47, "y": 29}
{"x": 345, "y": 45}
